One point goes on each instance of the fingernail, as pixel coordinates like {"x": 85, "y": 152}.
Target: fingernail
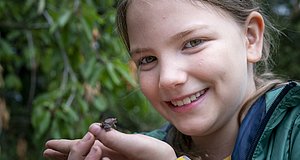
{"x": 96, "y": 149}
{"x": 95, "y": 129}
{"x": 87, "y": 137}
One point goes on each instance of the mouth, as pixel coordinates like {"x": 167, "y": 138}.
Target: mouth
{"x": 189, "y": 99}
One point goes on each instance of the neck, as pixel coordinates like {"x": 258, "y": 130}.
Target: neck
{"x": 219, "y": 145}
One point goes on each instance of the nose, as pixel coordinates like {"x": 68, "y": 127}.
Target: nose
{"x": 172, "y": 75}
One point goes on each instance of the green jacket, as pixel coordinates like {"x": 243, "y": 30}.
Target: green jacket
{"x": 271, "y": 128}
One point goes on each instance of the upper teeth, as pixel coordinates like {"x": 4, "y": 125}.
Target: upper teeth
{"x": 188, "y": 100}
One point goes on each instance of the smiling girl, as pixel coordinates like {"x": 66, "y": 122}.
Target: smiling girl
{"x": 203, "y": 65}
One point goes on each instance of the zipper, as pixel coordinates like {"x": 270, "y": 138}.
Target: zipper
{"x": 268, "y": 115}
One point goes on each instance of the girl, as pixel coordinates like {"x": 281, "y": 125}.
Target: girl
{"x": 203, "y": 66}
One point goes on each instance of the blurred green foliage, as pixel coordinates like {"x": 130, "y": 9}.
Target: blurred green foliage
{"x": 63, "y": 67}
{"x": 287, "y": 59}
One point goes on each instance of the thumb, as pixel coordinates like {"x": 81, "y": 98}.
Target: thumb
{"x": 133, "y": 146}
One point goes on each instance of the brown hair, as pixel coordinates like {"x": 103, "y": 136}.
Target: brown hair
{"x": 264, "y": 79}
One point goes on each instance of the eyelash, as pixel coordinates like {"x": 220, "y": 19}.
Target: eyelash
{"x": 196, "y": 42}
{"x": 152, "y": 58}
{"x": 149, "y": 59}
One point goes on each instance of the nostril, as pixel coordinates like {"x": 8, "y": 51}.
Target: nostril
{"x": 169, "y": 85}
{"x": 171, "y": 74}
{"x": 171, "y": 82}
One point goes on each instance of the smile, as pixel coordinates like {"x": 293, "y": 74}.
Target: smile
{"x": 189, "y": 99}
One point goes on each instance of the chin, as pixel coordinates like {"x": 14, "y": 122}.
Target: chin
{"x": 190, "y": 131}
{"x": 194, "y": 128}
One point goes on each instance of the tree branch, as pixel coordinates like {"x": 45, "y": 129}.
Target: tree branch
{"x": 33, "y": 66}
{"x": 68, "y": 70}
{"x": 27, "y": 26}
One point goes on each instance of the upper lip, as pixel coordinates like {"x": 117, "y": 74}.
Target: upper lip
{"x": 180, "y": 98}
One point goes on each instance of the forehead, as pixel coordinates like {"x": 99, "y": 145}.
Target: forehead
{"x": 148, "y": 19}
{"x": 141, "y": 12}
{"x": 140, "y": 6}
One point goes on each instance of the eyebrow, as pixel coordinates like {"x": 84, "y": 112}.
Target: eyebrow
{"x": 188, "y": 31}
{"x": 138, "y": 50}
{"x": 177, "y": 36}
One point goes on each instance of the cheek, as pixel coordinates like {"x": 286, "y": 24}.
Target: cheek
{"x": 148, "y": 85}
{"x": 209, "y": 69}
{"x": 150, "y": 89}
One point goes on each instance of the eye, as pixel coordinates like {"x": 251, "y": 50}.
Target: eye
{"x": 147, "y": 60}
{"x": 193, "y": 43}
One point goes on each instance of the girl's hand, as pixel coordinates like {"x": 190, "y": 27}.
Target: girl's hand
{"x": 116, "y": 145}
{"x": 112, "y": 144}
{"x": 59, "y": 149}
{"x": 85, "y": 148}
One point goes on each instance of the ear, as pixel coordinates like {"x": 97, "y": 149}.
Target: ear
{"x": 254, "y": 31}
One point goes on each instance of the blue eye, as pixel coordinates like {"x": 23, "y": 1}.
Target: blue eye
{"x": 147, "y": 60}
{"x": 193, "y": 43}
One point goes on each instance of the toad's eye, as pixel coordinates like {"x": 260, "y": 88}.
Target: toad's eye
{"x": 147, "y": 60}
{"x": 193, "y": 43}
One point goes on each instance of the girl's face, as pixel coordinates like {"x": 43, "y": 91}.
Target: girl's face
{"x": 193, "y": 63}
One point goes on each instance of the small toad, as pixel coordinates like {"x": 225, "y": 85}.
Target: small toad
{"x": 108, "y": 123}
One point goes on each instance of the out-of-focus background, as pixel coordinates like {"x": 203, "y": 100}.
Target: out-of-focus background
{"x": 63, "y": 67}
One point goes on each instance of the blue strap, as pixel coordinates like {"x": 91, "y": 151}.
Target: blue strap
{"x": 248, "y": 129}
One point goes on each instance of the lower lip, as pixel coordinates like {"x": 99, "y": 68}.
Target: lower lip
{"x": 188, "y": 107}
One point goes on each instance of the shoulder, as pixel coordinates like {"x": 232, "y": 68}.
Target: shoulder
{"x": 283, "y": 104}
{"x": 284, "y": 95}
{"x": 281, "y": 135}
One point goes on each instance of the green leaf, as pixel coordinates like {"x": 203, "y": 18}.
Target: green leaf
{"x": 40, "y": 121}
{"x": 62, "y": 21}
{"x": 12, "y": 81}
{"x": 53, "y": 28}
{"x": 83, "y": 105}
{"x": 106, "y": 82}
{"x": 95, "y": 77}
{"x": 60, "y": 115}
{"x": 5, "y": 48}
{"x": 41, "y": 8}
{"x": 100, "y": 103}
{"x": 123, "y": 70}
{"x": 88, "y": 68}
{"x": 45, "y": 122}
{"x": 87, "y": 29}
{"x": 113, "y": 75}
{"x": 48, "y": 98}
{"x": 55, "y": 130}
{"x": 71, "y": 114}
{"x": 28, "y": 5}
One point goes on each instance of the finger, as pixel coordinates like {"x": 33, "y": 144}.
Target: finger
{"x": 95, "y": 152}
{"x": 132, "y": 145}
{"x": 53, "y": 154}
{"x": 110, "y": 138}
{"x": 62, "y": 145}
{"x": 113, "y": 155}
{"x": 82, "y": 147}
